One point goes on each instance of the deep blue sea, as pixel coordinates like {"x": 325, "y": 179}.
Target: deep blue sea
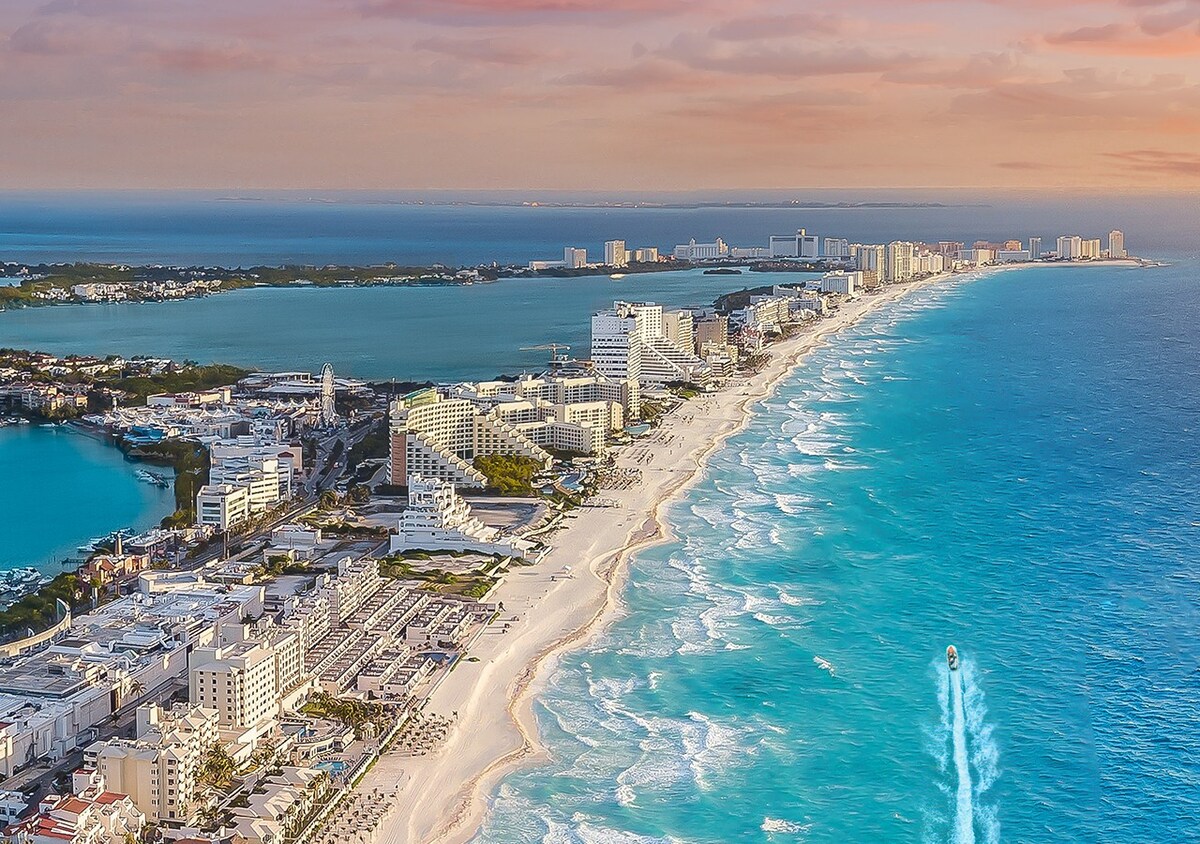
{"x": 58, "y": 489}
{"x": 1008, "y": 465}
{"x": 363, "y": 228}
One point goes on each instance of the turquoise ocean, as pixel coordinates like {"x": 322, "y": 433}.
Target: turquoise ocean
{"x": 1007, "y": 464}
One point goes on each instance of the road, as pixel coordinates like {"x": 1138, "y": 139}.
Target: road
{"x": 331, "y": 465}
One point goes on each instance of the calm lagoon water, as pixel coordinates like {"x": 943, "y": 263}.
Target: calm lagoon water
{"x": 58, "y": 489}
{"x": 417, "y": 333}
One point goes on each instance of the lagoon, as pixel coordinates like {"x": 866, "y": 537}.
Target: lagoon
{"x": 410, "y": 333}
{"x": 58, "y": 489}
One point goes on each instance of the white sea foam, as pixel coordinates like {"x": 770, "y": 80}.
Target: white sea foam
{"x": 778, "y": 825}
{"x": 964, "y": 815}
{"x": 798, "y": 600}
{"x": 774, "y": 620}
{"x": 985, "y": 753}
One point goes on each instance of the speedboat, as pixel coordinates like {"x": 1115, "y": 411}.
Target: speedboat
{"x": 952, "y": 658}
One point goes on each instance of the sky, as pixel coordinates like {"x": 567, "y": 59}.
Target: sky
{"x": 638, "y": 95}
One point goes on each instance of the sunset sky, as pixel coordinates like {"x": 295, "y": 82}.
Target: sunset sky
{"x": 619, "y": 95}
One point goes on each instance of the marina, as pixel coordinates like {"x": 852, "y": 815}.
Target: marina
{"x": 74, "y": 491}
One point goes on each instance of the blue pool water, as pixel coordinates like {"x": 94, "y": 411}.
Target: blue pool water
{"x": 1008, "y": 465}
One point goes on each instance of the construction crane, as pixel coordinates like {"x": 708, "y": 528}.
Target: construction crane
{"x": 556, "y": 359}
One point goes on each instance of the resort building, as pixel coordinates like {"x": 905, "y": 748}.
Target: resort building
{"x": 841, "y": 282}
{"x": 565, "y": 413}
{"x": 976, "y": 257}
{"x": 574, "y": 258}
{"x": 615, "y": 254}
{"x": 897, "y": 261}
{"x": 1089, "y": 249}
{"x": 679, "y": 327}
{"x": 1116, "y": 244}
{"x": 799, "y": 245}
{"x": 763, "y": 314}
{"x": 711, "y": 330}
{"x": 1012, "y": 256}
{"x": 438, "y": 519}
{"x": 1070, "y": 247}
{"x": 646, "y": 255}
{"x": 440, "y": 438}
{"x": 93, "y": 817}
{"x": 693, "y": 251}
{"x": 631, "y": 344}
{"x": 158, "y": 768}
{"x": 837, "y": 248}
{"x": 241, "y": 677}
{"x": 749, "y": 253}
{"x": 869, "y": 260}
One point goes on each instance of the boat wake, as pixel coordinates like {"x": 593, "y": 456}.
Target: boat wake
{"x": 973, "y": 756}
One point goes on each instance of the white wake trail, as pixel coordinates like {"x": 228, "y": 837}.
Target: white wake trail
{"x": 964, "y": 820}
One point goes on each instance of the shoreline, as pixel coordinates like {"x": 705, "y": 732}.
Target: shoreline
{"x": 575, "y": 591}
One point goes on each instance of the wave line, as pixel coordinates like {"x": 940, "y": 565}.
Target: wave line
{"x": 964, "y": 821}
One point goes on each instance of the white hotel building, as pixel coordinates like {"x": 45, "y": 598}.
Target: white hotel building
{"x": 437, "y": 519}
{"x": 436, "y": 437}
{"x": 637, "y": 344}
{"x": 842, "y": 283}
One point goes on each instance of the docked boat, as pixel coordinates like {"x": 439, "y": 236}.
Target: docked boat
{"x": 149, "y": 477}
{"x": 952, "y": 657}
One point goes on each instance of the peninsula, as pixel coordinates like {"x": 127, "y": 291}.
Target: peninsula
{"x": 389, "y": 572}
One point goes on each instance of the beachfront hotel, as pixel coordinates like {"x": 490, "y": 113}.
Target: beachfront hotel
{"x": 1116, "y": 244}
{"x": 799, "y": 245}
{"x": 693, "y": 251}
{"x": 158, "y": 768}
{"x": 841, "y": 282}
{"x": 898, "y": 261}
{"x": 636, "y": 344}
{"x": 437, "y": 437}
{"x": 438, "y": 519}
{"x": 615, "y": 254}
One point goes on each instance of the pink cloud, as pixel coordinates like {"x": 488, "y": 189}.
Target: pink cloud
{"x": 1159, "y": 161}
{"x": 492, "y": 12}
{"x": 485, "y": 50}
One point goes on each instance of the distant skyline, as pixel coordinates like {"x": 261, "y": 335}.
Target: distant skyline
{"x": 621, "y": 95}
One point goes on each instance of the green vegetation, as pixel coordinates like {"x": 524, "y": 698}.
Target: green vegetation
{"x": 509, "y": 474}
{"x": 652, "y": 410}
{"x": 189, "y": 377}
{"x": 278, "y": 564}
{"x": 374, "y": 444}
{"x": 38, "y": 611}
{"x": 360, "y": 715}
{"x": 216, "y": 767}
{"x": 474, "y": 584}
{"x": 61, "y": 276}
{"x": 685, "y": 389}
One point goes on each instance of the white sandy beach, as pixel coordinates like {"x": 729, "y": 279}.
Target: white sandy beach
{"x": 442, "y": 797}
